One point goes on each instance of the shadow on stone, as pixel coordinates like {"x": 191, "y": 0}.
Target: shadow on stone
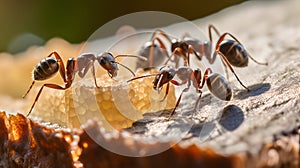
{"x": 232, "y": 117}
{"x": 203, "y": 130}
{"x": 255, "y": 90}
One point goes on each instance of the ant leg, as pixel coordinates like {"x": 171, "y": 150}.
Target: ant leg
{"x": 54, "y": 86}
{"x": 71, "y": 69}
{"x": 61, "y": 65}
{"x": 207, "y": 71}
{"x": 162, "y": 45}
{"x": 28, "y": 89}
{"x": 212, "y": 59}
{"x": 177, "y": 103}
{"x": 212, "y": 27}
{"x": 177, "y": 50}
{"x": 86, "y": 69}
{"x": 94, "y": 75}
{"x": 151, "y": 54}
{"x": 197, "y": 102}
{"x": 167, "y": 92}
{"x": 191, "y": 50}
{"x": 231, "y": 69}
{"x": 162, "y": 33}
{"x": 199, "y": 87}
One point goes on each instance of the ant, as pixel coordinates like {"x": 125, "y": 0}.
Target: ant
{"x": 49, "y": 66}
{"x": 216, "y": 84}
{"x": 232, "y": 52}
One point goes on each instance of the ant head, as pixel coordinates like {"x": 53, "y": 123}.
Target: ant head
{"x": 165, "y": 75}
{"x": 107, "y": 61}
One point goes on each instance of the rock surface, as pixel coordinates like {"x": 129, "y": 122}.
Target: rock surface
{"x": 259, "y": 128}
{"x": 270, "y": 32}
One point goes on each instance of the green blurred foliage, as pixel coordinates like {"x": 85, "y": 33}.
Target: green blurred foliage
{"x": 76, "y": 20}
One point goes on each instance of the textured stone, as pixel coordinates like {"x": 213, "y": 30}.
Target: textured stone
{"x": 259, "y": 128}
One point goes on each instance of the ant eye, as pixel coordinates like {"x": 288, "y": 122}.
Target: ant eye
{"x": 102, "y": 61}
{"x": 169, "y": 76}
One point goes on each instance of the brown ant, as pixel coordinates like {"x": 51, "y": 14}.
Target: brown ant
{"x": 49, "y": 66}
{"x": 216, "y": 84}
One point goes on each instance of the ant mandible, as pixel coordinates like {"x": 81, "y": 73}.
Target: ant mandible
{"x": 49, "y": 66}
{"x": 216, "y": 84}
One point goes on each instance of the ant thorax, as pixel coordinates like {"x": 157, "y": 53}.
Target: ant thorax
{"x": 84, "y": 59}
{"x": 176, "y": 43}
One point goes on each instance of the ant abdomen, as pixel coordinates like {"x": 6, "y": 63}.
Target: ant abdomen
{"x": 159, "y": 55}
{"x": 45, "y": 69}
{"x": 235, "y": 53}
{"x": 219, "y": 87}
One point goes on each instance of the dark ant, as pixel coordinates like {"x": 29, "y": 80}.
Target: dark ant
{"x": 232, "y": 52}
{"x": 50, "y": 66}
{"x": 216, "y": 84}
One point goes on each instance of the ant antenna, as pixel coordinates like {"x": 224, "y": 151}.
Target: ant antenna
{"x": 135, "y": 56}
{"x": 260, "y": 63}
{"x": 124, "y": 55}
{"x": 139, "y": 77}
{"x": 28, "y": 89}
{"x": 124, "y": 67}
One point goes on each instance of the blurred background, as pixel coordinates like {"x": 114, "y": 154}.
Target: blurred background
{"x": 33, "y": 22}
